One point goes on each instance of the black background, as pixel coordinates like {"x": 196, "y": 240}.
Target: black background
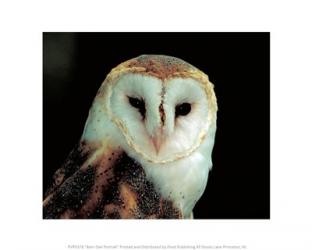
{"x": 75, "y": 65}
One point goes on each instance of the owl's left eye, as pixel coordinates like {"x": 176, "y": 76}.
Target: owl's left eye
{"x": 138, "y": 104}
{"x": 183, "y": 109}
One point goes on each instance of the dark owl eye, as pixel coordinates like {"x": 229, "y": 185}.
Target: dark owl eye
{"x": 138, "y": 104}
{"x": 183, "y": 109}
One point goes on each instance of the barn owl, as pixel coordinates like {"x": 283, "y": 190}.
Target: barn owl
{"x": 145, "y": 151}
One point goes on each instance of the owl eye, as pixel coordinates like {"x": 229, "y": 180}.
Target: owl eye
{"x": 183, "y": 109}
{"x": 138, "y": 104}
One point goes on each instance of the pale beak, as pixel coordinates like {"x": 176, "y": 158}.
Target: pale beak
{"x": 157, "y": 140}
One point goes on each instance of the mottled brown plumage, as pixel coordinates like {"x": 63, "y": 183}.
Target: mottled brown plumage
{"x": 115, "y": 187}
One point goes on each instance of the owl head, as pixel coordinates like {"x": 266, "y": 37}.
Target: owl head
{"x": 160, "y": 107}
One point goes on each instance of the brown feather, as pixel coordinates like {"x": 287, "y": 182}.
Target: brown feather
{"x": 111, "y": 185}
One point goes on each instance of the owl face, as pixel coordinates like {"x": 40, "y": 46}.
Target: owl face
{"x": 158, "y": 108}
{"x": 161, "y": 119}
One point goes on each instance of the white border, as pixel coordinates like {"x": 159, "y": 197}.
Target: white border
{"x": 22, "y": 24}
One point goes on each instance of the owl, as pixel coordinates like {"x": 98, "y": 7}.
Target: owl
{"x": 145, "y": 151}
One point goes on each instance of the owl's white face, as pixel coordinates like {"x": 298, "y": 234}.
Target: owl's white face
{"x": 160, "y": 120}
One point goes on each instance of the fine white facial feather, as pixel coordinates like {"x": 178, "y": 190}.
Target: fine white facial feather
{"x": 182, "y": 132}
{"x": 142, "y": 87}
{"x": 184, "y": 180}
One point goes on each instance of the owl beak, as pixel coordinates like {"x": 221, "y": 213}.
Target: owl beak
{"x": 157, "y": 144}
{"x": 157, "y": 140}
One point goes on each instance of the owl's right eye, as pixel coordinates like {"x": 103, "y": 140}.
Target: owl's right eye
{"x": 138, "y": 104}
